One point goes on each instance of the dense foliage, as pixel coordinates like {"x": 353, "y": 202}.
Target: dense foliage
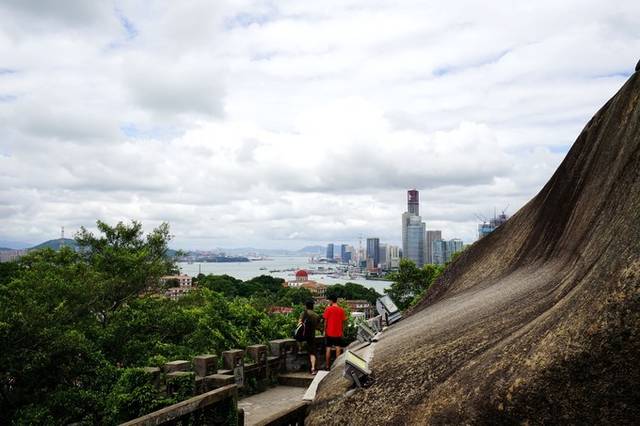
{"x": 265, "y": 287}
{"x": 410, "y": 282}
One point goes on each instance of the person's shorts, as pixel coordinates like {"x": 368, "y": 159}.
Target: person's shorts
{"x": 334, "y": 341}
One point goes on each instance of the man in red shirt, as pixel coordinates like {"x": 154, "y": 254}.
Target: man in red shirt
{"x": 334, "y": 318}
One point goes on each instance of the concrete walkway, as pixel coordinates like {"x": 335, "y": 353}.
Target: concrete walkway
{"x": 265, "y": 404}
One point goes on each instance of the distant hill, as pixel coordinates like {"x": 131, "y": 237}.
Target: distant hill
{"x": 313, "y": 250}
{"x": 56, "y": 244}
{"x": 6, "y": 249}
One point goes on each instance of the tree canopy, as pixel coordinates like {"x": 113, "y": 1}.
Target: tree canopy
{"x": 410, "y": 282}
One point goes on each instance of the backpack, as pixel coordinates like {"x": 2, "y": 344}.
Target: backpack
{"x": 302, "y": 330}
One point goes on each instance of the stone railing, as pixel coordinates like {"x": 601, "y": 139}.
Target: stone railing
{"x": 216, "y": 407}
{"x": 245, "y": 371}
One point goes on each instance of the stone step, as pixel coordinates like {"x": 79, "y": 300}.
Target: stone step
{"x": 299, "y": 379}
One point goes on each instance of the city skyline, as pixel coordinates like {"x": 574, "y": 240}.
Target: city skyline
{"x": 287, "y": 124}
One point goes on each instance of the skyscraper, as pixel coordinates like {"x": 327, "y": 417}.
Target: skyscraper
{"x": 413, "y": 202}
{"x": 329, "y": 251}
{"x": 393, "y": 256}
{"x": 384, "y": 257}
{"x": 343, "y": 253}
{"x": 415, "y": 240}
{"x": 431, "y": 236}
{"x": 373, "y": 250}
{"x": 413, "y": 230}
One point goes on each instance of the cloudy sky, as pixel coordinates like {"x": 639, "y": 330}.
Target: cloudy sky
{"x": 286, "y": 123}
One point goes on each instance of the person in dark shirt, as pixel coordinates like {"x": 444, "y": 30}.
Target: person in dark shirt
{"x": 313, "y": 322}
{"x": 334, "y": 318}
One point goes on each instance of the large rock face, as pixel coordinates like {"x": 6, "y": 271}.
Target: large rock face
{"x": 537, "y": 322}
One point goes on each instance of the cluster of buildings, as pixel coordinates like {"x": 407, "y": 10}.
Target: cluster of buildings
{"x": 419, "y": 244}
{"x": 373, "y": 257}
{"x": 422, "y": 245}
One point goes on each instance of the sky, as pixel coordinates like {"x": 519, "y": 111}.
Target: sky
{"x": 279, "y": 124}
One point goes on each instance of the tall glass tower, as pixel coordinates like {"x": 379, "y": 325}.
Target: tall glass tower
{"x": 413, "y": 202}
{"x": 413, "y": 230}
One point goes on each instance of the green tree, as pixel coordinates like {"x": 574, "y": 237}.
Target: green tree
{"x": 265, "y": 285}
{"x": 8, "y": 270}
{"x": 354, "y": 291}
{"x": 410, "y": 282}
{"x": 128, "y": 263}
{"x": 293, "y": 296}
{"x": 224, "y": 284}
{"x": 52, "y": 369}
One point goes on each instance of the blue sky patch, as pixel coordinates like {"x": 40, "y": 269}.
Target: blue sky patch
{"x": 126, "y": 23}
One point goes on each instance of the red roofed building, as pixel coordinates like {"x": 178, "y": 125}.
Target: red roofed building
{"x": 302, "y": 276}
{"x": 302, "y": 281}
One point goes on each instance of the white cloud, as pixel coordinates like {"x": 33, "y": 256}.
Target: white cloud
{"x": 281, "y": 124}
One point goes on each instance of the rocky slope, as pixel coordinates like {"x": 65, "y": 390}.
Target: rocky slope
{"x": 537, "y": 322}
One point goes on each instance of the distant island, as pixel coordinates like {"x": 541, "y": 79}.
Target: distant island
{"x": 222, "y": 259}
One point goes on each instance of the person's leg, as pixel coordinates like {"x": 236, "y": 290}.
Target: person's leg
{"x": 327, "y": 355}
{"x": 338, "y": 351}
{"x": 312, "y": 357}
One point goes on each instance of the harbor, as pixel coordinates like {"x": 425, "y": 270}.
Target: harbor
{"x": 284, "y": 267}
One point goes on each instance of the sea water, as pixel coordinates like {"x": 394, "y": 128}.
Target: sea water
{"x": 247, "y": 270}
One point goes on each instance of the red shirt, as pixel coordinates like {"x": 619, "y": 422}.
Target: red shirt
{"x": 334, "y": 316}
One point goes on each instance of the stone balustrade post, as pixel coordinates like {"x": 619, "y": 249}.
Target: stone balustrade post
{"x": 205, "y": 365}
{"x": 234, "y": 360}
{"x": 258, "y": 354}
{"x": 174, "y": 366}
{"x": 287, "y": 350}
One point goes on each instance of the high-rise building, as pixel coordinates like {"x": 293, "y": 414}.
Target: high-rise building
{"x": 413, "y": 202}
{"x": 415, "y": 240}
{"x": 343, "y": 253}
{"x": 329, "y": 251}
{"x": 373, "y": 250}
{"x": 393, "y": 257}
{"x": 350, "y": 254}
{"x": 413, "y": 230}
{"x": 444, "y": 250}
{"x": 384, "y": 260}
{"x": 430, "y": 237}
{"x": 439, "y": 251}
{"x": 454, "y": 246}
{"x": 405, "y": 223}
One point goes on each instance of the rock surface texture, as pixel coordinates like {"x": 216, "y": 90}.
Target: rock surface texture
{"x": 538, "y": 322}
